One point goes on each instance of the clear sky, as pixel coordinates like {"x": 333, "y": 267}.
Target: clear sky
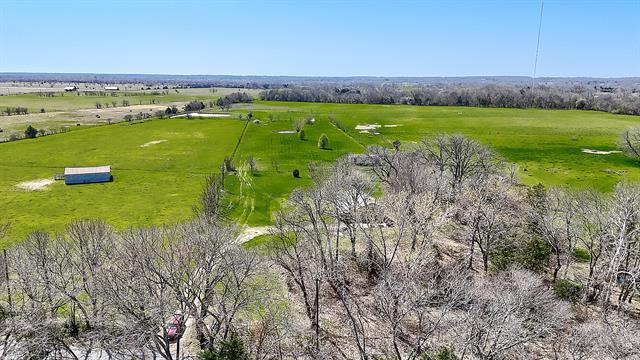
{"x": 321, "y": 37}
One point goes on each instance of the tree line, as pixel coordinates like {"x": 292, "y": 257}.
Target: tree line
{"x": 618, "y": 101}
{"x": 225, "y": 102}
{"x": 18, "y": 110}
{"x": 428, "y": 252}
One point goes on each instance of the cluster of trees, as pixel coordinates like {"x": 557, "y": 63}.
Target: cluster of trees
{"x": 194, "y": 106}
{"x": 171, "y": 110}
{"x": 226, "y": 101}
{"x": 139, "y": 116}
{"x": 30, "y": 132}
{"x": 107, "y": 104}
{"x": 97, "y": 292}
{"x": 431, "y": 253}
{"x": 622, "y": 101}
{"x": 19, "y": 110}
{"x": 457, "y": 259}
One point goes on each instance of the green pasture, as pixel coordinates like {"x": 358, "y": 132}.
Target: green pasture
{"x": 545, "y": 144}
{"x": 161, "y": 183}
{"x": 156, "y": 184}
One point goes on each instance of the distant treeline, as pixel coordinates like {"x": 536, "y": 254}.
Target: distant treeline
{"x": 617, "y": 101}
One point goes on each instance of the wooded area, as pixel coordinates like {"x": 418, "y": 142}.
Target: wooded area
{"x": 617, "y": 101}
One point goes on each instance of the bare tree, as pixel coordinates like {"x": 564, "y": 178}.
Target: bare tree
{"x": 559, "y": 226}
{"x": 459, "y": 155}
{"x": 489, "y": 212}
{"x": 507, "y": 315}
{"x": 212, "y": 199}
{"x": 620, "y": 263}
{"x": 629, "y": 142}
{"x": 253, "y": 166}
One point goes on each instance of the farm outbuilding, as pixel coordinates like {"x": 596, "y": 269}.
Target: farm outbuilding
{"x": 87, "y": 175}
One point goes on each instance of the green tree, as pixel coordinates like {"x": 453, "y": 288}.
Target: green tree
{"x": 230, "y": 349}
{"x": 323, "y": 142}
{"x": 31, "y": 132}
{"x": 444, "y": 353}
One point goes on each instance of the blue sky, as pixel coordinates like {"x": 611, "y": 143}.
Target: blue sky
{"x": 321, "y": 37}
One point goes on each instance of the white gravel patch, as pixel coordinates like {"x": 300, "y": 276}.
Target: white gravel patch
{"x": 34, "y": 185}
{"x": 286, "y": 132}
{"x": 600, "y": 152}
{"x": 154, "y": 142}
{"x": 367, "y": 126}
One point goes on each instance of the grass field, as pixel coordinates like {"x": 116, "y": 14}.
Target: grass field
{"x": 155, "y": 184}
{"x": 161, "y": 183}
{"x": 546, "y": 144}
{"x": 70, "y": 101}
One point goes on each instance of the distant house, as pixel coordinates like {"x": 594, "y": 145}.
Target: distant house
{"x": 70, "y": 88}
{"x": 87, "y": 175}
{"x": 111, "y": 88}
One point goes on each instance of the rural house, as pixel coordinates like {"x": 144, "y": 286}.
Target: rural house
{"x": 70, "y": 88}
{"x": 87, "y": 175}
{"x": 111, "y": 88}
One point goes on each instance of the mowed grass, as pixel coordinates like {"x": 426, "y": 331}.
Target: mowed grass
{"x": 545, "y": 144}
{"x": 156, "y": 184}
{"x": 254, "y": 198}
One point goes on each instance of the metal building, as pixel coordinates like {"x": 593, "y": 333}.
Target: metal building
{"x": 87, "y": 175}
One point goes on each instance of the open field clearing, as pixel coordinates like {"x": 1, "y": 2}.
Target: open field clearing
{"x": 69, "y": 109}
{"x": 58, "y": 119}
{"x": 254, "y": 198}
{"x": 71, "y": 101}
{"x": 152, "y": 184}
{"x": 159, "y": 165}
{"x": 547, "y": 145}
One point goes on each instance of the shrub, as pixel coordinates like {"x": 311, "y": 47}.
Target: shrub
{"x": 231, "y": 349}
{"x": 298, "y": 125}
{"x": 535, "y": 255}
{"x": 228, "y": 164}
{"x": 532, "y": 255}
{"x": 323, "y": 142}
{"x": 14, "y": 136}
{"x": 504, "y": 257}
{"x": 581, "y": 255}
{"x": 31, "y": 132}
{"x": 443, "y": 353}
{"x": 296, "y": 173}
{"x": 568, "y": 290}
